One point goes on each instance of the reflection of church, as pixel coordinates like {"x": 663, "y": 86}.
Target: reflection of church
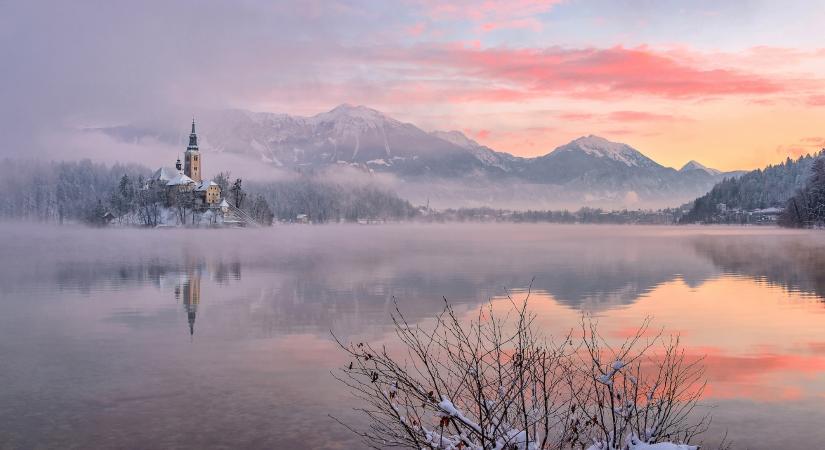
{"x": 189, "y": 292}
{"x": 188, "y": 284}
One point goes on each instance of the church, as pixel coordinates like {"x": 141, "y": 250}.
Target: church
{"x": 187, "y": 177}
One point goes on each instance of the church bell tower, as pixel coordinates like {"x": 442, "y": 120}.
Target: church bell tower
{"x": 192, "y": 158}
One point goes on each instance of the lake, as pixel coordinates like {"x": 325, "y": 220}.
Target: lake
{"x": 213, "y": 339}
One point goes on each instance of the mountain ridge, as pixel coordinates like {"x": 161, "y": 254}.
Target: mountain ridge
{"x": 589, "y": 169}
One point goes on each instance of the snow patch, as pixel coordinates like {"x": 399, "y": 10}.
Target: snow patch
{"x": 602, "y": 148}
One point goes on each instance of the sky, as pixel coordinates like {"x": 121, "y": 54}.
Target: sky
{"x": 737, "y": 84}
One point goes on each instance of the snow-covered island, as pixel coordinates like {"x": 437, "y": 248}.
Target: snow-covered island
{"x": 180, "y": 196}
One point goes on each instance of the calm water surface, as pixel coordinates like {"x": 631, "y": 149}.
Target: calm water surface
{"x": 211, "y": 339}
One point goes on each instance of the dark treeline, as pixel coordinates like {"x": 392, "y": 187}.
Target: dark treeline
{"x": 758, "y": 189}
{"x": 323, "y": 201}
{"x": 807, "y": 207}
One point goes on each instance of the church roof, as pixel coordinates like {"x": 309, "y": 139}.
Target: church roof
{"x": 180, "y": 179}
{"x": 204, "y": 185}
{"x": 165, "y": 174}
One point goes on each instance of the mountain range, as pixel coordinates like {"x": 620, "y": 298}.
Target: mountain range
{"x": 446, "y": 167}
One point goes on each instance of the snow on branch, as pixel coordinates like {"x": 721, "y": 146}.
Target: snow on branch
{"x": 494, "y": 382}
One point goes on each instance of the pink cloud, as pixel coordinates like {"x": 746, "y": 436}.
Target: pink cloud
{"x": 575, "y": 116}
{"x": 465, "y": 72}
{"x": 482, "y": 134}
{"x": 416, "y": 29}
{"x": 529, "y": 23}
{"x": 618, "y": 132}
{"x": 474, "y": 10}
{"x": 818, "y": 142}
{"x": 593, "y": 73}
{"x": 639, "y": 116}
{"x": 490, "y": 15}
{"x": 816, "y": 100}
{"x": 805, "y": 146}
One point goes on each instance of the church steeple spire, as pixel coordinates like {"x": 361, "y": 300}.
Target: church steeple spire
{"x": 193, "y": 138}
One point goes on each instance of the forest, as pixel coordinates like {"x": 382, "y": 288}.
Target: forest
{"x": 806, "y": 208}
{"x": 758, "y": 189}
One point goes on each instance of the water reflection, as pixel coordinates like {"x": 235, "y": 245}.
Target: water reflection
{"x": 190, "y": 291}
{"x": 93, "y": 322}
{"x": 797, "y": 265}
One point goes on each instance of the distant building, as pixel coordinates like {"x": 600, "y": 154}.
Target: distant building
{"x": 192, "y": 157}
{"x": 186, "y": 177}
{"x": 209, "y": 192}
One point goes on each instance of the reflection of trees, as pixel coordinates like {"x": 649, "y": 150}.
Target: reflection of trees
{"x": 791, "y": 262}
{"x": 318, "y": 287}
{"x": 88, "y": 276}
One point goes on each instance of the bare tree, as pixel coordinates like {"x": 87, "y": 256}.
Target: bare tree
{"x": 150, "y": 200}
{"x": 494, "y": 382}
{"x": 184, "y": 202}
{"x": 237, "y": 193}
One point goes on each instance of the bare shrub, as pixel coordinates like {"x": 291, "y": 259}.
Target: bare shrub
{"x": 495, "y": 382}
{"x": 634, "y": 394}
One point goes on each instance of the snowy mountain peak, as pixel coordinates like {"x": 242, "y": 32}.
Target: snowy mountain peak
{"x": 694, "y": 165}
{"x": 349, "y": 113}
{"x": 602, "y": 148}
{"x": 457, "y": 138}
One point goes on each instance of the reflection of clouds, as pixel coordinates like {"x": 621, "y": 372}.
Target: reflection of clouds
{"x": 755, "y": 376}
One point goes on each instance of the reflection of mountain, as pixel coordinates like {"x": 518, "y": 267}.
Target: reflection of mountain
{"x": 347, "y": 288}
{"x": 793, "y": 262}
{"x": 345, "y": 277}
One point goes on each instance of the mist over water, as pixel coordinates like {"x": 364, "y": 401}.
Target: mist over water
{"x": 115, "y": 338}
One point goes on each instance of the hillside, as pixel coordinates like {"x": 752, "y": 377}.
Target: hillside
{"x": 770, "y": 187}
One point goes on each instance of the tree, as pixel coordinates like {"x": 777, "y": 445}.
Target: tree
{"x": 494, "y": 382}
{"x": 184, "y": 202}
{"x": 261, "y": 212}
{"x": 150, "y": 201}
{"x": 122, "y": 199}
{"x": 222, "y": 180}
{"x": 96, "y": 215}
{"x": 237, "y": 193}
{"x": 807, "y": 207}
